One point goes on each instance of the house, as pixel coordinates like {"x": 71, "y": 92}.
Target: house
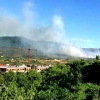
{"x": 43, "y": 67}
{"x": 8, "y": 68}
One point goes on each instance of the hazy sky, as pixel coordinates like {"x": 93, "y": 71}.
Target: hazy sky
{"x": 74, "y": 21}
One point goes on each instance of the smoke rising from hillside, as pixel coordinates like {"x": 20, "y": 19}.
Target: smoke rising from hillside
{"x": 15, "y": 26}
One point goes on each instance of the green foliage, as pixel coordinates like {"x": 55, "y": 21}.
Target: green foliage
{"x": 91, "y": 73}
{"x": 9, "y": 77}
{"x": 76, "y": 80}
{"x": 20, "y": 86}
{"x": 97, "y": 57}
{"x": 53, "y": 93}
{"x": 22, "y": 80}
{"x": 1, "y": 79}
{"x": 34, "y": 77}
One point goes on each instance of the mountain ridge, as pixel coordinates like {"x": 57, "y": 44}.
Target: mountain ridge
{"x": 44, "y": 48}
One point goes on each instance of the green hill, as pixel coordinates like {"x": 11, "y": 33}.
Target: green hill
{"x": 13, "y": 46}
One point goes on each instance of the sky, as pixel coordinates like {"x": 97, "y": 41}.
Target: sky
{"x": 69, "y": 21}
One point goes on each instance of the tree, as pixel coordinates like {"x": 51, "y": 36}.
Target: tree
{"x": 10, "y": 92}
{"x": 97, "y": 57}
{"x": 22, "y": 80}
{"x": 91, "y": 73}
{"x": 9, "y": 76}
{"x": 34, "y": 78}
{"x": 1, "y": 79}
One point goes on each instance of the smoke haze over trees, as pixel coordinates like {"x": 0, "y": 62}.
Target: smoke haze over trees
{"x": 24, "y": 26}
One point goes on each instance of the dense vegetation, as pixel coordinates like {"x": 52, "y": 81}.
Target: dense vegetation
{"x": 76, "y": 80}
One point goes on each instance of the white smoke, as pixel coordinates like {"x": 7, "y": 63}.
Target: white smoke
{"x": 53, "y": 32}
{"x": 14, "y": 26}
{"x": 58, "y": 23}
{"x": 8, "y": 25}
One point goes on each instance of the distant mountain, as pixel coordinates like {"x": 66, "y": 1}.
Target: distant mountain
{"x": 92, "y": 49}
{"x": 18, "y": 46}
{"x": 25, "y": 43}
{"x": 14, "y": 46}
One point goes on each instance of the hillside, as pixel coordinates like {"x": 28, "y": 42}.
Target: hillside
{"x": 18, "y": 46}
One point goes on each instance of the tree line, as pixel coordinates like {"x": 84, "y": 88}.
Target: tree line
{"x": 75, "y": 80}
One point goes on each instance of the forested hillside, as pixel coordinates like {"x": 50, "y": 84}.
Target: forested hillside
{"x": 76, "y": 80}
{"x": 12, "y": 46}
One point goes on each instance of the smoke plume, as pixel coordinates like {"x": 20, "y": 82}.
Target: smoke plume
{"x": 16, "y": 26}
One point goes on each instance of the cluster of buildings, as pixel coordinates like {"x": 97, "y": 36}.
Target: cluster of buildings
{"x": 23, "y": 68}
{"x": 40, "y": 68}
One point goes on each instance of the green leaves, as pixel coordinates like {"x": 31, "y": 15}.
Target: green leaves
{"x": 19, "y": 86}
{"x": 10, "y": 76}
{"x": 77, "y": 80}
{"x": 2, "y": 79}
